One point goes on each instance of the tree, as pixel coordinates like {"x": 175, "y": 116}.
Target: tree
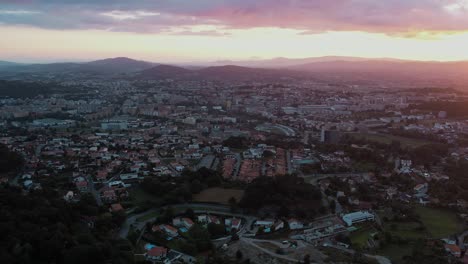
{"x": 239, "y": 255}
{"x": 332, "y": 206}
{"x": 307, "y": 259}
{"x": 233, "y": 204}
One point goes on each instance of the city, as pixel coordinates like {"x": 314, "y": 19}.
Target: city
{"x": 320, "y": 159}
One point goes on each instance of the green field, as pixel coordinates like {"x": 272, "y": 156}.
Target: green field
{"x": 440, "y": 223}
{"x": 218, "y": 195}
{"x": 359, "y": 237}
{"x": 396, "y": 252}
{"x": 406, "y": 230}
{"x": 139, "y": 196}
{"x": 387, "y": 139}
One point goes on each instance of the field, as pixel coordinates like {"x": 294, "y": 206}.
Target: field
{"x": 406, "y": 230}
{"x": 387, "y": 139}
{"x": 218, "y": 195}
{"x": 396, "y": 252}
{"x": 139, "y": 196}
{"x": 359, "y": 237}
{"x": 440, "y": 223}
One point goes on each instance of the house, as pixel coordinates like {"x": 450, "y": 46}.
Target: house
{"x": 82, "y": 186}
{"x": 177, "y": 222}
{"x": 169, "y": 230}
{"x": 69, "y": 196}
{"x": 277, "y": 225}
{"x": 453, "y": 249}
{"x": 295, "y": 224}
{"x": 187, "y": 222}
{"x": 156, "y": 254}
{"x": 421, "y": 188}
{"x": 213, "y": 219}
{"x": 116, "y": 208}
{"x": 202, "y": 218}
{"x": 264, "y": 223}
{"x": 108, "y": 195}
{"x": 236, "y": 223}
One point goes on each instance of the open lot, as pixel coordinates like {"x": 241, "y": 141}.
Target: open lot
{"x": 359, "y": 237}
{"x": 139, "y": 196}
{"x": 387, "y": 139}
{"x": 218, "y": 195}
{"x": 396, "y": 252}
{"x": 440, "y": 223}
{"x": 406, "y": 230}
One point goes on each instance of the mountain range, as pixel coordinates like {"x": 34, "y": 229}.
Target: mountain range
{"x": 254, "y": 69}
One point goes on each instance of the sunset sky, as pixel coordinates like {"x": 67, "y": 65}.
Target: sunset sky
{"x": 207, "y": 30}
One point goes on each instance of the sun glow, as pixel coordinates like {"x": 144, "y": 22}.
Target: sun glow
{"x": 212, "y": 43}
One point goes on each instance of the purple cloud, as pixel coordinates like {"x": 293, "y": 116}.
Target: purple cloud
{"x": 310, "y": 16}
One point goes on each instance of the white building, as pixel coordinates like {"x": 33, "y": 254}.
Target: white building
{"x": 357, "y": 217}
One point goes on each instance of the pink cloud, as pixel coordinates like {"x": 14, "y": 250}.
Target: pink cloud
{"x": 309, "y": 16}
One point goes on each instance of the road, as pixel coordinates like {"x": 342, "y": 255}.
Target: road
{"x": 237, "y": 166}
{"x": 207, "y": 208}
{"x": 314, "y": 178}
{"x": 288, "y": 161}
{"x": 380, "y": 259}
{"x": 252, "y": 243}
{"x": 461, "y": 239}
{"x": 93, "y": 190}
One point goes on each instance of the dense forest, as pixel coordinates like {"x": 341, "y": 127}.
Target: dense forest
{"x": 42, "y": 228}
{"x": 453, "y": 109}
{"x": 9, "y": 160}
{"x": 19, "y": 89}
{"x": 289, "y": 193}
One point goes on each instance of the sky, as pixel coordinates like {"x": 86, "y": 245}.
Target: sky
{"x": 210, "y": 30}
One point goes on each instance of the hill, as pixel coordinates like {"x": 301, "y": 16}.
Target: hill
{"x": 106, "y": 66}
{"x": 164, "y": 72}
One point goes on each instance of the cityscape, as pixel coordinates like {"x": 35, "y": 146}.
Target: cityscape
{"x": 111, "y": 155}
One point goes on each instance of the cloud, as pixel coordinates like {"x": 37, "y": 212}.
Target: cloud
{"x": 308, "y": 16}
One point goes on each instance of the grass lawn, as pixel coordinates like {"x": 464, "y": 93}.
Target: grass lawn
{"x": 359, "y": 237}
{"x": 440, "y": 223}
{"x": 139, "y": 196}
{"x": 406, "y": 230}
{"x": 218, "y": 195}
{"x": 387, "y": 139}
{"x": 396, "y": 252}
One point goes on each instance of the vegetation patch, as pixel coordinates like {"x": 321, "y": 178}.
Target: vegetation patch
{"x": 440, "y": 223}
{"x": 388, "y": 139}
{"x": 218, "y": 195}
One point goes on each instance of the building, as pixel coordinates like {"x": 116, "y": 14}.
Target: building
{"x": 453, "y": 249}
{"x": 329, "y": 136}
{"x": 295, "y": 224}
{"x": 156, "y": 254}
{"x": 358, "y": 217}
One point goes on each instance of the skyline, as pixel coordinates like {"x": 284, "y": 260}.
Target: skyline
{"x": 184, "y": 32}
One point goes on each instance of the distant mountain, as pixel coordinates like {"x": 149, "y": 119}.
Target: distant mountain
{"x": 281, "y": 62}
{"x": 117, "y": 65}
{"x": 374, "y": 66}
{"x": 164, "y": 72}
{"x": 106, "y": 66}
{"x": 233, "y": 72}
{"x": 226, "y": 72}
{"x": 8, "y": 64}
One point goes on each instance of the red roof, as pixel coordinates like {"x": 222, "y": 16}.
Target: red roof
{"x": 116, "y": 207}
{"x": 82, "y": 184}
{"x": 157, "y": 252}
